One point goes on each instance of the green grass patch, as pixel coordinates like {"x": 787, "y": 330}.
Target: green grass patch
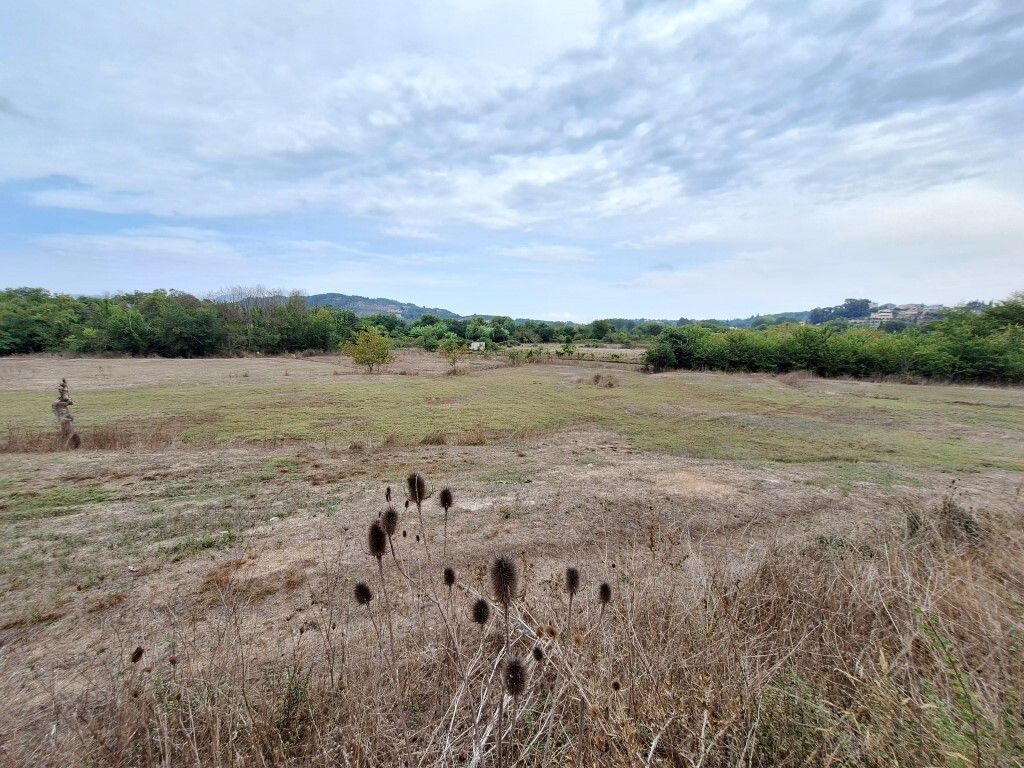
{"x": 505, "y": 475}
{"x": 845, "y": 477}
{"x": 193, "y": 545}
{"x": 30, "y": 505}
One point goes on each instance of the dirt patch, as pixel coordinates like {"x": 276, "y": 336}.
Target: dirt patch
{"x": 685, "y": 483}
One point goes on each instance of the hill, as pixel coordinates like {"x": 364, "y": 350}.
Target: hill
{"x": 364, "y": 306}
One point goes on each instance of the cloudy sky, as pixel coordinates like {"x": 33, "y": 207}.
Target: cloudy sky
{"x": 569, "y": 159}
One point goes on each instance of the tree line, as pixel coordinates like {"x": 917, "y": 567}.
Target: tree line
{"x": 969, "y": 344}
{"x": 248, "y": 321}
{"x": 965, "y": 345}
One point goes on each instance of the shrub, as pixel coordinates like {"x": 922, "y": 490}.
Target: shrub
{"x": 371, "y": 348}
{"x": 452, "y": 349}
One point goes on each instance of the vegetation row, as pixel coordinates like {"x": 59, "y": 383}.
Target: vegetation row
{"x": 967, "y": 344}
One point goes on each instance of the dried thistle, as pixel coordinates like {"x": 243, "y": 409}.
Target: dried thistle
{"x": 446, "y": 499}
{"x": 387, "y": 494}
{"x": 416, "y": 486}
{"x": 504, "y": 579}
{"x": 377, "y": 540}
{"x": 538, "y": 654}
{"x": 572, "y": 580}
{"x": 363, "y": 593}
{"x": 137, "y": 655}
{"x": 389, "y": 520}
{"x": 604, "y": 595}
{"x": 449, "y": 577}
{"x": 416, "y": 493}
{"x": 481, "y": 611}
{"x": 505, "y": 582}
{"x": 515, "y": 676}
{"x": 572, "y": 586}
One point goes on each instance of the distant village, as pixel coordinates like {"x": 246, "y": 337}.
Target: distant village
{"x": 911, "y": 314}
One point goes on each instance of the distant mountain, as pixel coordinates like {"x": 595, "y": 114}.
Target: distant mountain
{"x": 364, "y": 306}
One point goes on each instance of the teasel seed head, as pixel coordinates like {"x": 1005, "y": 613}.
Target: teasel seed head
{"x": 504, "y": 579}
{"x": 137, "y": 655}
{"x": 538, "y": 654}
{"x": 389, "y": 520}
{"x": 417, "y": 487}
{"x": 514, "y": 676}
{"x": 387, "y": 494}
{"x": 363, "y": 593}
{"x": 481, "y": 611}
{"x": 446, "y": 499}
{"x": 377, "y": 539}
{"x": 572, "y": 580}
{"x": 604, "y": 593}
{"x": 449, "y": 577}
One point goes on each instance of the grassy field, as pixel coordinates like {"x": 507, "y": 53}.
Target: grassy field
{"x": 222, "y": 529}
{"x": 703, "y": 415}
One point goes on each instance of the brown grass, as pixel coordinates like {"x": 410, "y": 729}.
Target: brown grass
{"x": 149, "y": 434}
{"x": 434, "y": 438}
{"x": 892, "y": 650}
{"x": 473, "y": 437}
{"x": 599, "y": 380}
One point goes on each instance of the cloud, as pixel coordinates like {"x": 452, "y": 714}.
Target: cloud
{"x": 551, "y": 254}
{"x": 7, "y": 107}
{"x": 952, "y": 243}
{"x": 410, "y": 232}
{"x": 180, "y": 245}
{"x": 622, "y": 131}
{"x": 689, "y": 235}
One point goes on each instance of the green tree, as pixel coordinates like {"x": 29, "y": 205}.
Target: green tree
{"x": 371, "y": 348}
{"x": 452, "y": 349}
{"x": 599, "y": 329}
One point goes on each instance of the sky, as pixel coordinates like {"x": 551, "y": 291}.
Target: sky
{"x": 559, "y": 160}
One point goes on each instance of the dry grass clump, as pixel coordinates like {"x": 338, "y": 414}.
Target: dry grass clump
{"x": 159, "y": 434}
{"x": 897, "y": 650}
{"x": 473, "y": 437}
{"x": 434, "y": 438}
{"x": 599, "y": 380}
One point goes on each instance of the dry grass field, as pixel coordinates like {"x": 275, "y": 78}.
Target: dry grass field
{"x": 803, "y": 571}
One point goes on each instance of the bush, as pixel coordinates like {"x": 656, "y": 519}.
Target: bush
{"x": 371, "y": 348}
{"x": 964, "y": 346}
{"x": 452, "y": 349}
